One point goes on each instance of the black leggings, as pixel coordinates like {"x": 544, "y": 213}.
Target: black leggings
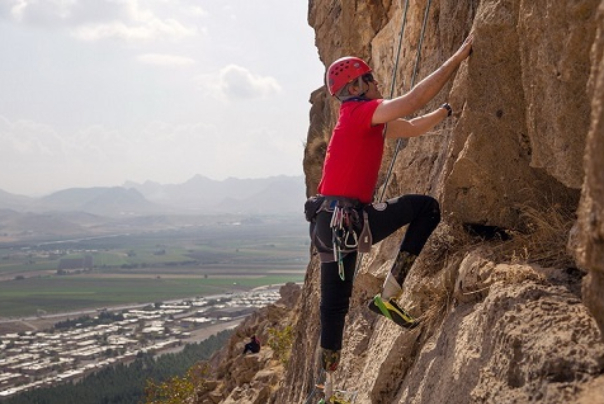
{"x": 420, "y": 212}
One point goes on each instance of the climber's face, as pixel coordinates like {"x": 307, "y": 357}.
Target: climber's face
{"x": 374, "y": 91}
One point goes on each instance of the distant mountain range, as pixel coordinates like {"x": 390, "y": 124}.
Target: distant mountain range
{"x": 199, "y": 195}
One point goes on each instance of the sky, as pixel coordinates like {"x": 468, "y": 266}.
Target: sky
{"x": 100, "y": 92}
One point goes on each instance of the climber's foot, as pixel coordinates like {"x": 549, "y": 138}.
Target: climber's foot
{"x": 391, "y": 310}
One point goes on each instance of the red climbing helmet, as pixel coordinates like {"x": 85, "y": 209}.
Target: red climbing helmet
{"x": 343, "y": 71}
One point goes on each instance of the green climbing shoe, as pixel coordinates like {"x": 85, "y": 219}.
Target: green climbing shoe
{"x": 333, "y": 400}
{"x": 338, "y": 398}
{"x": 392, "y": 311}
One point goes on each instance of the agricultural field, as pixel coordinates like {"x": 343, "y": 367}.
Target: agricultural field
{"x": 57, "y": 276}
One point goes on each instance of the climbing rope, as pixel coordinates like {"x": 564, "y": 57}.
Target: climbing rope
{"x": 398, "y": 52}
{"x": 315, "y": 389}
{"x": 392, "y": 87}
{"x": 399, "y": 142}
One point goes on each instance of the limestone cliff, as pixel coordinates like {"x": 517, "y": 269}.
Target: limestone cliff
{"x": 504, "y": 316}
{"x": 510, "y": 288}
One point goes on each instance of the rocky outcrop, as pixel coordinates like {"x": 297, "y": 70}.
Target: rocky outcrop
{"x": 250, "y": 378}
{"x": 509, "y": 289}
{"x": 590, "y": 247}
{"x": 499, "y": 294}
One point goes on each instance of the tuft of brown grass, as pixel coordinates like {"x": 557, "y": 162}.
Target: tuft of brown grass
{"x": 544, "y": 239}
{"x": 439, "y": 261}
{"x": 448, "y": 241}
{"x": 440, "y": 297}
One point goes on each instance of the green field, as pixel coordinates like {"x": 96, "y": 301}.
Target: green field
{"x": 149, "y": 267}
{"x": 54, "y": 295}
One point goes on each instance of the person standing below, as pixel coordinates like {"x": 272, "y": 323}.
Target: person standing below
{"x": 343, "y": 218}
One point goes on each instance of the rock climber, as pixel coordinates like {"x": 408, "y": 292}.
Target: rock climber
{"x": 253, "y": 346}
{"x": 343, "y": 218}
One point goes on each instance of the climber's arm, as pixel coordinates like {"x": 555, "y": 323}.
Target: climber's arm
{"x": 422, "y": 93}
{"x": 416, "y": 126}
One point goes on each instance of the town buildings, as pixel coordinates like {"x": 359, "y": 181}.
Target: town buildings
{"x": 34, "y": 359}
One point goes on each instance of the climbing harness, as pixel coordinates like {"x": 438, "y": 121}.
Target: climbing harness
{"x": 345, "y": 224}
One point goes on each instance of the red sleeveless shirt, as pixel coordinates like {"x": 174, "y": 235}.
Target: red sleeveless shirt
{"x": 354, "y": 154}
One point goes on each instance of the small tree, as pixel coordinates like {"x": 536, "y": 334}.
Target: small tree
{"x": 281, "y": 342}
{"x": 177, "y": 390}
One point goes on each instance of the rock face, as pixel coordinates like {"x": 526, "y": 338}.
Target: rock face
{"x": 250, "y": 379}
{"x": 590, "y": 250}
{"x": 510, "y": 287}
{"x": 519, "y": 172}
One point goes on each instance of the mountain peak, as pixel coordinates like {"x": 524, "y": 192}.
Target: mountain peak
{"x": 280, "y": 194}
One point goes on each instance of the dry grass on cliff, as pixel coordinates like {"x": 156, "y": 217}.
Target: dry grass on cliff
{"x": 545, "y": 239}
{"x": 438, "y": 292}
{"x": 442, "y": 254}
{"x": 542, "y": 242}
{"x": 448, "y": 242}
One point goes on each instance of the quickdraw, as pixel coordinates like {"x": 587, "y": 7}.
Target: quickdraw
{"x": 344, "y": 237}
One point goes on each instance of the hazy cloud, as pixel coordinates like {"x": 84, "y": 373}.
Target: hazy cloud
{"x": 62, "y": 12}
{"x": 96, "y": 92}
{"x": 24, "y": 139}
{"x": 40, "y": 12}
{"x": 159, "y": 59}
{"x": 35, "y": 151}
{"x": 152, "y": 28}
{"x": 196, "y": 10}
{"x": 235, "y": 82}
{"x": 25, "y": 146}
{"x": 92, "y": 20}
{"x": 135, "y": 23}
